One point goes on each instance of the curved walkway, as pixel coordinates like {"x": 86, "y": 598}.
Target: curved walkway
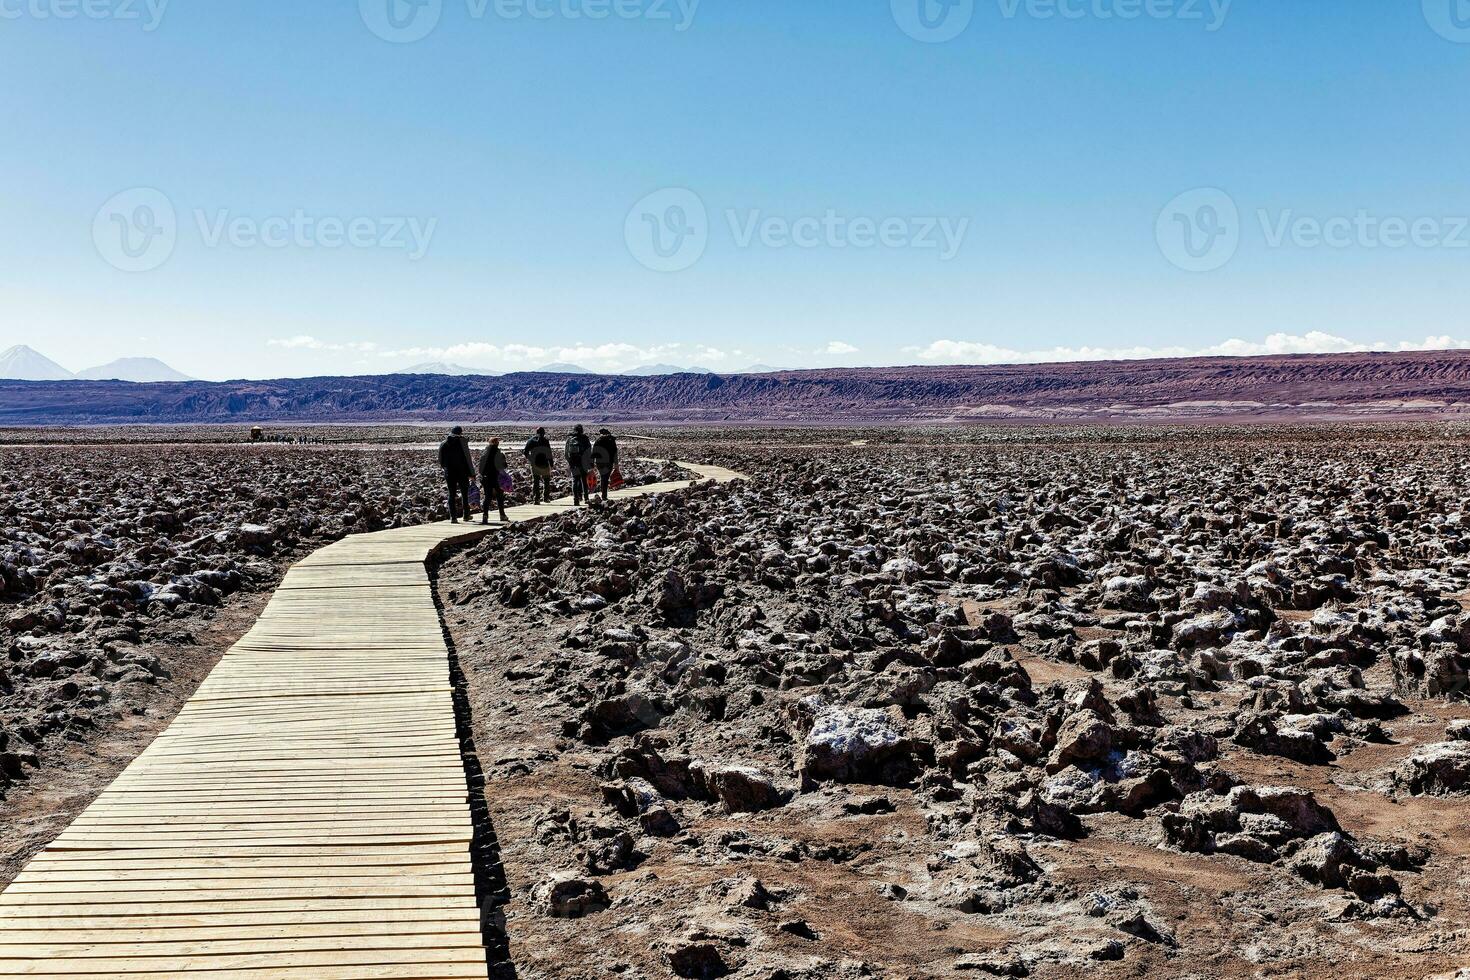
{"x": 305, "y": 815}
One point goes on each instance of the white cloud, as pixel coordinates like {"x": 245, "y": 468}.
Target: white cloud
{"x": 608, "y": 357}
{"x": 307, "y": 342}
{"x": 616, "y": 356}
{"x": 298, "y": 342}
{"x": 601, "y": 357}
{"x": 1313, "y": 342}
{"x": 1436, "y": 343}
{"x": 711, "y": 355}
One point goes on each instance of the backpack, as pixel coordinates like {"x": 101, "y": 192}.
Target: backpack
{"x": 578, "y": 449}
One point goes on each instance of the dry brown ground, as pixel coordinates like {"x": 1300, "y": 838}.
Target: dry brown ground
{"x": 1233, "y": 919}
{"x": 74, "y": 772}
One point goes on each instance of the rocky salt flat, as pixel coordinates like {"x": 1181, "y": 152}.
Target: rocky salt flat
{"x": 1116, "y": 703}
{"x": 126, "y": 570}
{"x": 907, "y": 703}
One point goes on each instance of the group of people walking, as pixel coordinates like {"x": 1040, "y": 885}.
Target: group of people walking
{"x": 590, "y": 462}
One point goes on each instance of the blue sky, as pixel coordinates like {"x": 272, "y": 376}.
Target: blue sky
{"x": 302, "y": 196}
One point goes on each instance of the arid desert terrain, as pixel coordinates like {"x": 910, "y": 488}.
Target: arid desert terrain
{"x": 906, "y": 703}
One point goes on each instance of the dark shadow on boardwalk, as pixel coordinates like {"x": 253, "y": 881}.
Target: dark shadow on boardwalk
{"x": 492, "y": 891}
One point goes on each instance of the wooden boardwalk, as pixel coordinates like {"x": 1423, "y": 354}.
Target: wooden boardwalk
{"x": 305, "y": 815}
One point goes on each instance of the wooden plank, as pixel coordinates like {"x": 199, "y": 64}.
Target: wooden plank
{"x": 321, "y": 920}
{"x": 253, "y": 908}
{"x": 119, "y": 949}
{"x": 427, "y": 971}
{"x": 194, "y": 873}
{"x": 325, "y": 855}
{"x": 455, "y": 884}
{"x": 305, "y": 960}
{"x": 161, "y": 896}
{"x": 208, "y": 933}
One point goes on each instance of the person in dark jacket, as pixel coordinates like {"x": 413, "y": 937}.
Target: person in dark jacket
{"x": 538, "y": 454}
{"x": 579, "y": 461}
{"x": 458, "y": 466}
{"x": 492, "y": 464}
{"x": 605, "y": 455}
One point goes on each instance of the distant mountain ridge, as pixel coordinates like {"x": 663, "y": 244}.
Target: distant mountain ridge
{"x": 143, "y": 370}
{"x": 22, "y": 363}
{"x": 1418, "y": 384}
{"x": 446, "y": 369}
{"x": 654, "y": 370}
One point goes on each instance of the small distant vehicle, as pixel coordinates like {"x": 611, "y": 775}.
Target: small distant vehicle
{"x": 257, "y": 434}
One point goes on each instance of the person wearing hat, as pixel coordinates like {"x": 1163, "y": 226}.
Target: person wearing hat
{"x": 605, "y": 455}
{"x": 458, "y": 466}
{"x": 492, "y": 464}
{"x": 538, "y": 454}
{"x": 579, "y": 461}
